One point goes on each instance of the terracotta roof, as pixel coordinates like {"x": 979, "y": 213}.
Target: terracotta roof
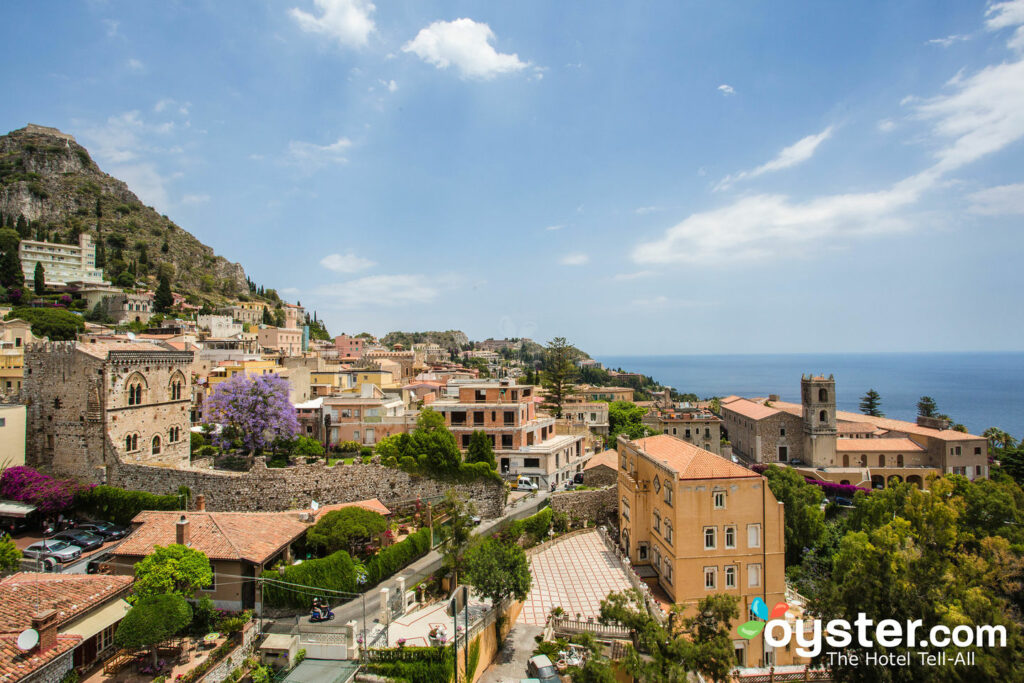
{"x": 372, "y": 504}
{"x": 252, "y": 536}
{"x": 856, "y": 427}
{"x": 887, "y": 424}
{"x": 877, "y": 445}
{"x": 71, "y": 595}
{"x": 689, "y": 461}
{"x": 16, "y": 665}
{"x": 751, "y": 410}
{"x": 607, "y": 458}
{"x": 729, "y": 399}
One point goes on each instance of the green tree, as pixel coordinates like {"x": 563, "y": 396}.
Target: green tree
{"x": 11, "y": 274}
{"x": 346, "y": 528}
{"x": 871, "y": 404}
{"x": 172, "y": 569}
{"x": 307, "y": 446}
{"x": 152, "y": 620}
{"x": 22, "y": 227}
{"x": 497, "y": 569}
{"x": 164, "y": 299}
{"x": 626, "y": 418}
{"x": 701, "y": 642}
{"x": 456, "y": 533}
{"x": 480, "y": 449}
{"x": 805, "y": 520}
{"x": 267, "y": 318}
{"x": 10, "y": 556}
{"x": 926, "y": 407}
{"x": 560, "y": 373}
{"x": 53, "y": 323}
{"x": 998, "y": 440}
{"x": 39, "y": 279}
{"x": 430, "y": 420}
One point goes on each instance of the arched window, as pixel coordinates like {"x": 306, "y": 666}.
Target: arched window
{"x": 823, "y": 416}
{"x": 899, "y": 460}
{"x": 846, "y": 461}
{"x": 881, "y": 461}
{"x": 863, "y": 460}
{"x": 176, "y": 385}
{"x": 128, "y": 443}
{"x": 822, "y": 396}
{"x": 156, "y": 445}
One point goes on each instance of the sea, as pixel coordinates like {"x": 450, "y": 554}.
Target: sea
{"x": 979, "y": 390}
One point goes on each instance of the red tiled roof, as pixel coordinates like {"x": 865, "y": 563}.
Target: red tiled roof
{"x": 750, "y": 410}
{"x": 607, "y": 458}
{"x": 71, "y": 595}
{"x": 887, "y": 424}
{"x": 689, "y": 461}
{"x": 252, "y": 536}
{"x": 16, "y": 665}
{"x": 883, "y": 445}
{"x": 856, "y": 428}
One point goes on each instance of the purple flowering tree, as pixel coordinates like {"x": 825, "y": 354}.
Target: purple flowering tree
{"x": 256, "y": 409}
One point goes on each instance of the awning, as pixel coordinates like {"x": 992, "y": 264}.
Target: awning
{"x": 109, "y": 615}
{"x": 9, "y": 508}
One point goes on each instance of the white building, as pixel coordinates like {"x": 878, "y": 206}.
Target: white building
{"x": 219, "y": 325}
{"x": 62, "y": 263}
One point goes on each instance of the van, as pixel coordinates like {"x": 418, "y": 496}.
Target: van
{"x": 524, "y": 484}
{"x": 541, "y": 668}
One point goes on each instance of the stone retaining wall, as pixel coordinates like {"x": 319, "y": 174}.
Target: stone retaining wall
{"x": 594, "y": 505}
{"x": 294, "y": 488}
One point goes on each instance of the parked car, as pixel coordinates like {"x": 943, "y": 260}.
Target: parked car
{"x": 840, "y": 500}
{"x": 57, "y": 550}
{"x": 86, "y": 540}
{"x": 105, "y": 529}
{"x": 525, "y": 484}
{"x": 578, "y": 478}
{"x": 541, "y": 668}
{"x": 570, "y": 485}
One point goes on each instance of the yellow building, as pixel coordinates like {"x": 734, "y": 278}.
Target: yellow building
{"x": 695, "y": 524}
{"x": 329, "y": 383}
{"x": 12, "y": 435}
{"x": 15, "y": 335}
{"x": 251, "y": 368}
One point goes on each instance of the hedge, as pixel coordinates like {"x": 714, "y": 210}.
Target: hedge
{"x": 119, "y": 505}
{"x": 336, "y": 572}
{"x": 414, "y": 665}
{"x": 395, "y": 557}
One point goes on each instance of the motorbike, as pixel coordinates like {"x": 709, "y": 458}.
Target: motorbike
{"x": 321, "y": 611}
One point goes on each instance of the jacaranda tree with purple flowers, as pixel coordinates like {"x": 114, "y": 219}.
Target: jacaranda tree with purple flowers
{"x": 256, "y": 409}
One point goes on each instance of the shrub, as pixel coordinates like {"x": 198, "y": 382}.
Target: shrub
{"x": 335, "y": 572}
{"x": 537, "y": 525}
{"x": 347, "y": 447}
{"x": 54, "y": 323}
{"x": 47, "y": 493}
{"x": 396, "y": 557}
{"x": 366, "y": 452}
{"x": 206, "y": 450}
{"x": 196, "y": 441}
{"x": 413, "y": 664}
{"x": 119, "y": 505}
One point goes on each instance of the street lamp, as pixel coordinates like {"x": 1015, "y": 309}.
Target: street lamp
{"x": 327, "y": 431}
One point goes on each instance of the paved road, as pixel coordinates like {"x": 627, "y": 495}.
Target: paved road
{"x": 421, "y": 568}
{"x": 510, "y": 664}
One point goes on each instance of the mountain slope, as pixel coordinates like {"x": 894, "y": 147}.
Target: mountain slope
{"x": 50, "y": 179}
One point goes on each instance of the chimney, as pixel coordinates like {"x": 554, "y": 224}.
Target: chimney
{"x": 45, "y": 623}
{"x": 201, "y": 502}
{"x": 181, "y": 531}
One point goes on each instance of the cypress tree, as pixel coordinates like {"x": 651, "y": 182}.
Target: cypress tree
{"x": 11, "y": 274}
{"x": 164, "y": 299}
{"x": 22, "y": 227}
{"x": 39, "y": 279}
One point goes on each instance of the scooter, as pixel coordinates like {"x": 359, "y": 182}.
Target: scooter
{"x": 321, "y": 611}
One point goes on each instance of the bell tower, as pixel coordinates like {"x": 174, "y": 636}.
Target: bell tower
{"x": 818, "y": 398}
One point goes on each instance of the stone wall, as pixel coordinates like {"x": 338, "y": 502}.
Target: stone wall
{"x": 594, "y": 505}
{"x": 600, "y": 475}
{"x": 221, "y": 671}
{"x": 292, "y": 488}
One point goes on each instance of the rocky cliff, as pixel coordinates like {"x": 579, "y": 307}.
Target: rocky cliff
{"x": 51, "y": 180}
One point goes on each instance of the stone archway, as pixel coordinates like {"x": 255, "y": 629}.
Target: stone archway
{"x": 877, "y": 481}
{"x": 915, "y": 480}
{"x": 894, "y": 479}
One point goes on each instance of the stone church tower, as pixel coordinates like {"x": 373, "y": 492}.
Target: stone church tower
{"x": 818, "y": 398}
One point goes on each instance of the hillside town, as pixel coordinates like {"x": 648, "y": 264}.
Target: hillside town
{"x": 329, "y": 507}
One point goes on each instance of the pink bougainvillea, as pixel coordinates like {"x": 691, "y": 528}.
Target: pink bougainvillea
{"x": 49, "y": 494}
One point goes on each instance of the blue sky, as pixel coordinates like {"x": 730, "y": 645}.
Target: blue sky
{"x": 640, "y": 178}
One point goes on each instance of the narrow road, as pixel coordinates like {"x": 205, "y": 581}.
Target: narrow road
{"x": 510, "y": 664}
{"x": 421, "y": 568}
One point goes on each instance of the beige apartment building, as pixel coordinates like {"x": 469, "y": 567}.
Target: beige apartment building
{"x": 848, "y": 448}
{"x": 525, "y": 443}
{"x": 702, "y": 428}
{"x": 695, "y": 524}
{"x": 15, "y": 335}
{"x": 62, "y": 263}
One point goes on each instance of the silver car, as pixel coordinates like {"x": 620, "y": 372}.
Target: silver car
{"x": 58, "y": 550}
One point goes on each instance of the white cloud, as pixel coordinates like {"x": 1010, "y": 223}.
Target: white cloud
{"x": 311, "y": 156}
{"x": 633, "y": 276}
{"x": 145, "y": 181}
{"x": 465, "y": 44}
{"x": 797, "y": 153}
{"x": 726, "y": 89}
{"x": 346, "y": 263}
{"x": 390, "y": 85}
{"x": 112, "y": 27}
{"x": 1004, "y": 15}
{"x": 1003, "y": 200}
{"x": 576, "y": 259}
{"x": 886, "y": 125}
{"x": 347, "y": 21}
{"x": 947, "y": 41}
{"x": 553, "y": 228}
{"x": 195, "y": 199}
{"x": 135, "y": 65}
{"x": 383, "y": 290}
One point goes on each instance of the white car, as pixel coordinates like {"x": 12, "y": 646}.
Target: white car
{"x": 525, "y": 484}
{"x": 58, "y": 550}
